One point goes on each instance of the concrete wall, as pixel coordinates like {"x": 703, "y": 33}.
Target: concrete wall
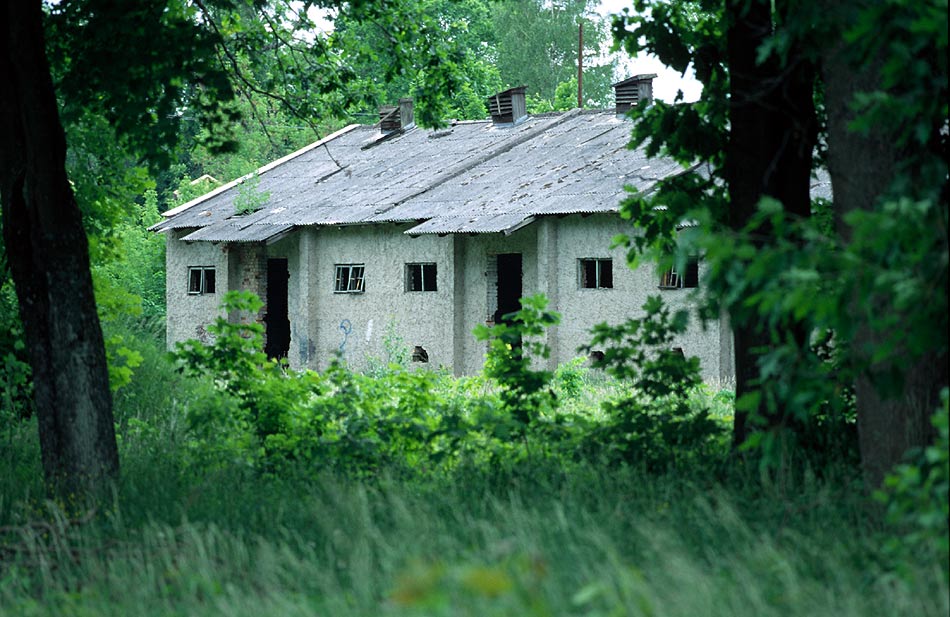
{"x": 188, "y": 315}
{"x": 477, "y": 279}
{"x": 578, "y": 237}
{"x": 386, "y": 318}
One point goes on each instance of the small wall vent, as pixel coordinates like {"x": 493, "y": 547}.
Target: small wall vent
{"x": 636, "y": 90}
{"x": 507, "y": 107}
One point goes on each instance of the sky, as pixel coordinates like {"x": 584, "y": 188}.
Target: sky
{"x": 668, "y": 81}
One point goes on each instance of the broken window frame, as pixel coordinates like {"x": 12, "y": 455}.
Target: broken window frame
{"x": 349, "y": 278}
{"x": 423, "y": 275}
{"x": 603, "y": 277}
{"x": 672, "y": 279}
{"x": 199, "y": 281}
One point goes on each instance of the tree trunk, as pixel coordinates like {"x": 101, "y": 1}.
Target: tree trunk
{"x": 862, "y": 167}
{"x": 48, "y": 255}
{"x": 772, "y": 134}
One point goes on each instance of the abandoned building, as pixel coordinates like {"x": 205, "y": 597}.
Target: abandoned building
{"x": 391, "y": 234}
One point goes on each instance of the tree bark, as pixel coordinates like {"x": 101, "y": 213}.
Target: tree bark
{"x": 48, "y": 255}
{"x": 862, "y": 167}
{"x": 773, "y": 130}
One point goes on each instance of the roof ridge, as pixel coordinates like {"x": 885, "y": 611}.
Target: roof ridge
{"x": 224, "y": 187}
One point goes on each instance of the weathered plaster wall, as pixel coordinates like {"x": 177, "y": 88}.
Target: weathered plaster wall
{"x": 385, "y": 309}
{"x": 188, "y": 315}
{"x": 440, "y": 321}
{"x": 590, "y": 237}
{"x": 477, "y": 307}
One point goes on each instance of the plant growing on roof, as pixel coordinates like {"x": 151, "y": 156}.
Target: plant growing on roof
{"x": 250, "y": 198}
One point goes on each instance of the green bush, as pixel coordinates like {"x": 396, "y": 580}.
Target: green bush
{"x": 513, "y": 346}
{"x": 917, "y": 497}
{"x": 658, "y": 424}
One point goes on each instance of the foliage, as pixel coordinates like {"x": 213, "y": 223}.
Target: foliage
{"x": 554, "y": 538}
{"x": 419, "y": 421}
{"x": 654, "y": 425}
{"x": 16, "y": 397}
{"x": 916, "y": 497}
{"x": 465, "y": 39}
{"x": 142, "y": 93}
{"x": 565, "y": 95}
{"x": 341, "y": 419}
{"x": 681, "y": 34}
{"x": 537, "y": 48}
{"x": 133, "y": 267}
{"x": 792, "y": 276}
{"x": 514, "y": 344}
{"x": 250, "y": 198}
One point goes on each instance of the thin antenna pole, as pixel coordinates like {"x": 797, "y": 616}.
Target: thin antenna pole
{"x": 580, "y": 65}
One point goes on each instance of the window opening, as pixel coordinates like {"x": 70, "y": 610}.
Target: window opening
{"x": 200, "y": 280}
{"x": 421, "y": 277}
{"x": 689, "y": 279}
{"x": 596, "y": 273}
{"x": 349, "y": 278}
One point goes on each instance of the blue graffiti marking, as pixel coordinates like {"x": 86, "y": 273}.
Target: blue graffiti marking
{"x": 346, "y": 328}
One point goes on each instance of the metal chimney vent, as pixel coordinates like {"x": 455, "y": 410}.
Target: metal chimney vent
{"x": 393, "y": 118}
{"x": 507, "y": 107}
{"x": 636, "y": 90}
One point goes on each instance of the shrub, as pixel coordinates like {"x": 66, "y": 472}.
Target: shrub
{"x": 655, "y": 425}
{"x": 513, "y": 346}
{"x": 916, "y": 496}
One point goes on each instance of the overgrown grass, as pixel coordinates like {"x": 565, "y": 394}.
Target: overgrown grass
{"x": 544, "y": 535}
{"x": 532, "y": 543}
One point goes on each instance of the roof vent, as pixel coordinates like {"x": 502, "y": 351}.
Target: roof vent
{"x": 636, "y": 90}
{"x": 393, "y": 118}
{"x": 507, "y": 107}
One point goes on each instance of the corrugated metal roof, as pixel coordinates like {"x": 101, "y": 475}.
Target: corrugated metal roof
{"x": 235, "y": 232}
{"x": 471, "y": 178}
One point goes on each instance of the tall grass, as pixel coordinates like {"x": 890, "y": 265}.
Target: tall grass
{"x": 543, "y": 538}
{"x": 532, "y": 543}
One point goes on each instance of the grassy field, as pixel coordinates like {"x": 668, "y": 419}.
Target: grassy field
{"x": 536, "y": 542}
{"x": 544, "y": 536}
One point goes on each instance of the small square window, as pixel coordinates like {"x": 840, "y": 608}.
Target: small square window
{"x": 421, "y": 277}
{"x": 349, "y": 278}
{"x": 595, "y": 273}
{"x": 689, "y": 279}
{"x": 200, "y": 280}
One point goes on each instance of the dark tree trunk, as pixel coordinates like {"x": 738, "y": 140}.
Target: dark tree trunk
{"x": 48, "y": 255}
{"x": 862, "y": 167}
{"x": 771, "y": 138}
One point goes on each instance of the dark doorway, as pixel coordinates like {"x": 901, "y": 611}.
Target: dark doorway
{"x": 509, "y": 285}
{"x": 276, "y": 321}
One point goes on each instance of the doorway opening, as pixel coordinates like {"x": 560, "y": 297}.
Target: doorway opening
{"x": 508, "y": 285}
{"x": 276, "y": 321}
